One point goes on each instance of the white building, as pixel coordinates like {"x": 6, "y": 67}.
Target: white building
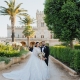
{"x": 41, "y": 32}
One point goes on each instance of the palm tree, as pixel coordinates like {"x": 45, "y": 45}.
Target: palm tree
{"x": 28, "y": 32}
{"x": 12, "y": 11}
{"x": 26, "y": 20}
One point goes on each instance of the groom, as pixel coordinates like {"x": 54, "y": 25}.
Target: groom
{"x": 45, "y": 49}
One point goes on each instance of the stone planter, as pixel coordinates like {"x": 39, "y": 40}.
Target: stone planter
{"x": 23, "y": 56}
{"x": 13, "y": 60}
{"x": 8, "y": 65}
{"x": 2, "y": 65}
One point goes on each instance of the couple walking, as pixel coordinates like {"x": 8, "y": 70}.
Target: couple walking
{"x": 36, "y": 68}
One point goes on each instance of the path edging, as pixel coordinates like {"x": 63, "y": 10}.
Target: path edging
{"x": 13, "y": 61}
{"x": 71, "y": 71}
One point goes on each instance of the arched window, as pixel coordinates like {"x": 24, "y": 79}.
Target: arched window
{"x": 42, "y": 36}
{"x": 35, "y": 36}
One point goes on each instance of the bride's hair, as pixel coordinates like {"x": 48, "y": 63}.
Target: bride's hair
{"x": 36, "y": 44}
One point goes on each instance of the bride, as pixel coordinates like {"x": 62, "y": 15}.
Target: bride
{"x": 35, "y": 69}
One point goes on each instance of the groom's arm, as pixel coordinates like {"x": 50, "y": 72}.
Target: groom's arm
{"x": 48, "y": 51}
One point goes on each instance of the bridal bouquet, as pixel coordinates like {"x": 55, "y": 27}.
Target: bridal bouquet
{"x": 41, "y": 55}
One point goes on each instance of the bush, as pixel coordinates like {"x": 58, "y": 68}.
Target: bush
{"x": 62, "y": 53}
{"x": 77, "y": 46}
{"x": 67, "y": 55}
{"x": 9, "y": 51}
{"x": 75, "y": 64}
{"x": 7, "y": 60}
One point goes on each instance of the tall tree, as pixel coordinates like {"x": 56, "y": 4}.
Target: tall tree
{"x": 12, "y": 11}
{"x": 28, "y": 32}
{"x": 63, "y": 18}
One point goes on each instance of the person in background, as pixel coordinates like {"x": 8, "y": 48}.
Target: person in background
{"x": 31, "y": 47}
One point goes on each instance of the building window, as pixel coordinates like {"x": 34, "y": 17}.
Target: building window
{"x": 11, "y": 35}
{"x": 51, "y": 36}
{"x": 18, "y": 35}
{"x": 35, "y": 36}
{"x": 22, "y": 36}
{"x": 42, "y": 36}
{"x": 42, "y": 24}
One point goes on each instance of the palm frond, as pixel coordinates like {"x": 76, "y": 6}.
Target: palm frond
{"x": 4, "y": 14}
{"x": 22, "y": 14}
{"x": 20, "y": 11}
{"x": 7, "y": 3}
{"x": 26, "y": 20}
{"x": 12, "y": 10}
{"x": 17, "y": 7}
{"x": 3, "y": 11}
{"x": 14, "y": 3}
{"x": 1, "y": 7}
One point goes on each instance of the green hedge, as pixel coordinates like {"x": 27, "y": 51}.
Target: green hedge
{"x": 66, "y": 55}
{"x": 77, "y": 46}
{"x": 9, "y": 51}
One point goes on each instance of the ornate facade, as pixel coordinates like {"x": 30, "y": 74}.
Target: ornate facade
{"x": 41, "y": 32}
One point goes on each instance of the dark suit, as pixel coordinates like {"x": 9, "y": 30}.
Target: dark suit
{"x": 31, "y": 49}
{"x": 46, "y": 51}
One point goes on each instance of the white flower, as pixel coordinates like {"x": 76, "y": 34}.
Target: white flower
{"x": 41, "y": 55}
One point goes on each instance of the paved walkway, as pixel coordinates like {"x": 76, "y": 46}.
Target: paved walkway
{"x": 56, "y": 72}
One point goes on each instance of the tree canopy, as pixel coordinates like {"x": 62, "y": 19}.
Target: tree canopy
{"x": 63, "y": 18}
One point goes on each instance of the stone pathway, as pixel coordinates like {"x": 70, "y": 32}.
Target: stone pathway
{"x": 56, "y": 72}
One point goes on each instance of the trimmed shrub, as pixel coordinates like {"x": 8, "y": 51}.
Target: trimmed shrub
{"x": 70, "y": 57}
{"x": 77, "y": 46}
{"x": 62, "y": 53}
{"x": 75, "y": 64}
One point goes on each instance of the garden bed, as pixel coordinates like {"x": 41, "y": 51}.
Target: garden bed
{"x": 68, "y": 69}
{"x": 10, "y": 54}
{"x": 13, "y": 60}
{"x": 68, "y": 56}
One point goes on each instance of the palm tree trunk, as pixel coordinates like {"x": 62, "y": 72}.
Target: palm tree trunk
{"x": 13, "y": 27}
{"x": 71, "y": 44}
{"x": 28, "y": 41}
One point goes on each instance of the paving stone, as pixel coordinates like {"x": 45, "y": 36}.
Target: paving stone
{"x": 56, "y": 72}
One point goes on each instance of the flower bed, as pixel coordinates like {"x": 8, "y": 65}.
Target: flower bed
{"x": 9, "y": 51}
{"x": 66, "y": 55}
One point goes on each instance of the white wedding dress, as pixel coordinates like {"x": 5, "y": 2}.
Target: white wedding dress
{"x": 35, "y": 69}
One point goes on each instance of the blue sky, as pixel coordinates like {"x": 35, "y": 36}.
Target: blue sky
{"x": 31, "y": 5}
